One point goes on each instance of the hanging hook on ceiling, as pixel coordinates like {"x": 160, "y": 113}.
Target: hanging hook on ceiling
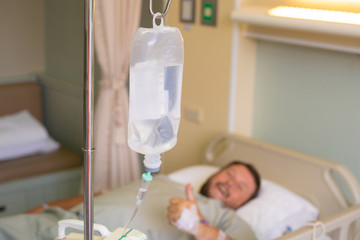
{"x": 165, "y": 12}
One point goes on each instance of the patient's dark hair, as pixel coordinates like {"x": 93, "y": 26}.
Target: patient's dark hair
{"x": 205, "y": 187}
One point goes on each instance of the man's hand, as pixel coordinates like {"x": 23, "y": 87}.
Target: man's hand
{"x": 184, "y": 213}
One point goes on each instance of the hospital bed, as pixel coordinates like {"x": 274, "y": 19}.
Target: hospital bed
{"x": 329, "y": 186}
{"x": 301, "y": 197}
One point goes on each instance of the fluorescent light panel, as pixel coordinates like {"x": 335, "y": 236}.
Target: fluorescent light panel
{"x": 316, "y": 14}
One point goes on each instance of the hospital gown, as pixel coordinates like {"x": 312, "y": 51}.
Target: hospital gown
{"x": 114, "y": 208}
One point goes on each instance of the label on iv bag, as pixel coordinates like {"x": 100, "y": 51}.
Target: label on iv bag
{"x": 147, "y": 100}
{"x": 154, "y": 91}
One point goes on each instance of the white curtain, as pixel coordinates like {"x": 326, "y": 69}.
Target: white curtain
{"x": 115, "y": 24}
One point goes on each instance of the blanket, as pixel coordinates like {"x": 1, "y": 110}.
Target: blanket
{"x": 114, "y": 208}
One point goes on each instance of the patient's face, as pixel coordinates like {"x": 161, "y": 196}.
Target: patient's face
{"x": 233, "y": 186}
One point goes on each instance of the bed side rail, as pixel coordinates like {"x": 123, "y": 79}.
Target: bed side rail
{"x": 349, "y": 181}
{"x": 341, "y": 226}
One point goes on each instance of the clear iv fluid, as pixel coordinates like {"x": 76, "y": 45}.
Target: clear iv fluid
{"x": 154, "y": 115}
{"x": 143, "y": 138}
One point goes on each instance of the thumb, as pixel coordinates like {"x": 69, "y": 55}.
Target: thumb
{"x": 189, "y": 192}
{"x": 190, "y": 196}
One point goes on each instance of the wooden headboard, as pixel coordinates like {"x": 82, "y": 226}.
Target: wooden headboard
{"x": 18, "y": 96}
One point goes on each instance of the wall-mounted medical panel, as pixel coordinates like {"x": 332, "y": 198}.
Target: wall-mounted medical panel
{"x": 208, "y": 12}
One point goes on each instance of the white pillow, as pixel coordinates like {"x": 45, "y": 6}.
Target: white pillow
{"x": 24, "y": 149}
{"x": 20, "y": 127}
{"x": 275, "y": 211}
{"x": 196, "y": 175}
{"x": 21, "y": 134}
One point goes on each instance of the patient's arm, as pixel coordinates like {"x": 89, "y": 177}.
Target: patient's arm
{"x": 202, "y": 231}
{"x": 207, "y": 232}
{"x": 64, "y": 203}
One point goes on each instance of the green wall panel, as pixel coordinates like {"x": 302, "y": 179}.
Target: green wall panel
{"x": 308, "y": 99}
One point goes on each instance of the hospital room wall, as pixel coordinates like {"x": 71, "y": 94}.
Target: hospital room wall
{"x": 205, "y": 89}
{"x": 43, "y": 40}
{"x": 39, "y": 40}
{"x": 62, "y": 79}
{"x": 21, "y": 38}
{"x": 307, "y": 99}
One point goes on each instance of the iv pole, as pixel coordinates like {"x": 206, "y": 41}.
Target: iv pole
{"x": 88, "y": 127}
{"x": 88, "y": 149}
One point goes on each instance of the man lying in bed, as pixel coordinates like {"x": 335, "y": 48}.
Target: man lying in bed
{"x": 234, "y": 185}
{"x": 193, "y": 215}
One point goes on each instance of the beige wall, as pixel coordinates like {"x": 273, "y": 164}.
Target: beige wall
{"x": 21, "y": 38}
{"x": 62, "y": 79}
{"x": 44, "y": 40}
{"x": 205, "y": 83}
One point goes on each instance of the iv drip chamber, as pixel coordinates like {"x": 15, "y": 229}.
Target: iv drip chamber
{"x": 156, "y": 69}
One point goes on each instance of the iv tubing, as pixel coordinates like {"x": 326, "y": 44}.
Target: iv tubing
{"x": 132, "y": 217}
{"x": 145, "y": 182}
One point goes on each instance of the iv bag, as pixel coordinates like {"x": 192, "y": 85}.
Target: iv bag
{"x": 156, "y": 67}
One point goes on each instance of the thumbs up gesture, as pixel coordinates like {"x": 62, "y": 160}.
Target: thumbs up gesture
{"x": 184, "y": 213}
{"x": 189, "y": 193}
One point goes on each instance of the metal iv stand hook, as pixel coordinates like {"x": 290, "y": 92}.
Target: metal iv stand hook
{"x": 163, "y": 14}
